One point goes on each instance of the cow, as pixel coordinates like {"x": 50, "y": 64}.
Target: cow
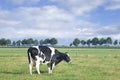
{"x": 50, "y": 56}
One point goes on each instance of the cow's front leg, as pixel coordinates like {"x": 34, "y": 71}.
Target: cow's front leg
{"x": 49, "y": 70}
{"x": 50, "y": 67}
{"x": 38, "y": 66}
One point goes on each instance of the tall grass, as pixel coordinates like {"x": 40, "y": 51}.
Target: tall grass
{"x": 87, "y": 64}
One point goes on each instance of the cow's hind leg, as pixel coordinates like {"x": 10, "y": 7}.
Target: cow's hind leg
{"x": 38, "y": 66}
{"x": 30, "y": 68}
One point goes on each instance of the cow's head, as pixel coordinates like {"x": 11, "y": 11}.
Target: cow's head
{"x": 67, "y": 58}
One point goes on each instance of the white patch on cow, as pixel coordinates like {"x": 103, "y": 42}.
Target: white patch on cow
{"x": 43, "y": 54}
{"x": 53, "y": 51}
{"x": 49, "y": 70}
{"x": 31, "y": 64}
{"x": 46, "y": 62}
{"x": 53, "y": 65}
{"x": 37, "y": 66}
{"x": 68, "y": 54}
{"x": 37, "y": 47}
{"x": 39, "y": 60}
{"x": 30, "y": 67}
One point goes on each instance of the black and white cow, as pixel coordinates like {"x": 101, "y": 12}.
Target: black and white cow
{"x": 45, "y": 55}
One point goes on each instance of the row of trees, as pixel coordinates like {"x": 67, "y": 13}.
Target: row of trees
{"x": 4, "y": 41}
{"x": 28, "y": 42}
{"x": 95, "y": 42}
{"x": 53, "y": 41}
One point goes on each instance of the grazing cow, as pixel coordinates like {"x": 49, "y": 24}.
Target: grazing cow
{"x": 45, "y": 55}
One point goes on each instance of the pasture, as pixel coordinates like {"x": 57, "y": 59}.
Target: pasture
{"x": 87, "y": 64}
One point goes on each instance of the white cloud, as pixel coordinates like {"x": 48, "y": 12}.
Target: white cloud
{"x": 22, "y": 2}
{"x": 113, "y": 5}
{"x": 8, "y": 22}
{"x": 45, "y": 21}
{"x": 109, "y": 30}
{"x": 80, "y": 7}
{"x": 54, "y": 20}
{"x": 49, "y": 21}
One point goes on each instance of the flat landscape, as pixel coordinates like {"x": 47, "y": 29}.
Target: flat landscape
{"x": 87, "y": 64}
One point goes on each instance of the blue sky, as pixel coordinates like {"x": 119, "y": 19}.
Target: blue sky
{"x": 62, "y": 19}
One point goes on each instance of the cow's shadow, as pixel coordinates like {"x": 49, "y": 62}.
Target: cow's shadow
{"x": 40, "y": 72}
{"x": 18, "y": 73}
{"x": 9, "y": 72}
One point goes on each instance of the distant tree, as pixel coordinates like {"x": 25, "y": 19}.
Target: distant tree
{"x": 46, "y": 41}
{"x": 102, "y": 41}
{"x": 88, "y": 42}
{"x": 24, "y": 42}
{"x": 115, "y": 42}
{"x": 76, "y": 42}
{"x": 18, "y": 43}
{"x": 30, "y": 41}
{"x": 71, "y": 44}
{"x": 108, "y": 41}
{"x": 14, "y": 43}
{"x": 119, "y": 43}
{"x": 8, "y": 41}
{"x": 95, "y": 41}
{"x": 2, "y": 41}
{"x": 5, "y": 42}
{"x": 83, "y": 42}
{"x": 53, "y": 41}
{"x": 41, "y": 42}
{"x": 36, "y": 42}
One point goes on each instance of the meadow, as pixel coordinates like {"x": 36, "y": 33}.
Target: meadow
{"x": 87, "y": 64}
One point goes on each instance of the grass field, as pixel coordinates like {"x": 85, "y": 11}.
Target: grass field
{"x": 87, "y": 64}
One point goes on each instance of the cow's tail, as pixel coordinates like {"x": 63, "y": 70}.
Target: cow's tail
{"x": 29, "y": 56}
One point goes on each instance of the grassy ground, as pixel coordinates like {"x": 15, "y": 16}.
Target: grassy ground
{"x": 87, "y": 64}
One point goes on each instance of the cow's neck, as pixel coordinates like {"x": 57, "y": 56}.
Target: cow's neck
{"x": 61, "y": 57}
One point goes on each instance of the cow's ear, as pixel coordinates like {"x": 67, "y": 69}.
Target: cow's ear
{"x": 68, "y": 54}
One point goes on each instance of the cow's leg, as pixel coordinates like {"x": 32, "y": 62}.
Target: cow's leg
{"x": 31, "y": 65}
{"x": 30, "y": 68}
{"x": 38, "y": 66}
{"x": 50, "y": 67}
{"x": 49, "y": 70}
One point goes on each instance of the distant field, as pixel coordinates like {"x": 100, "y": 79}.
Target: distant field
{"x": 87, "y": 64}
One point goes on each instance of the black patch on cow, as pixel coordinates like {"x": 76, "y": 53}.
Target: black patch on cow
{"x": 46, "y": 51}
{"x": 57, "y": 57}
{"x": 33, "y": 52}
{"x": 42, "y": 56}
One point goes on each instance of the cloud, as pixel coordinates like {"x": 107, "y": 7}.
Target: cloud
{"x": 8, "y": 22}
{"x": 22, "y": 2}
{"x": 46, "y": 21}
{"x": 79, "y": 7}
{"x": 109, "y": 30}
{"x": 49, "y": 21}
{"x": 58, "y": 20}
{"x": 113, "y": 5}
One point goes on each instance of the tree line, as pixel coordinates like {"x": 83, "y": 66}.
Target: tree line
{"x": 95, "y": 42}
{"x": 28, "y": 42}
{"x": 53, "y": 41}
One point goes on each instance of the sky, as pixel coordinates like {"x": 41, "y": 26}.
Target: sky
{"x": 62, "y": 19}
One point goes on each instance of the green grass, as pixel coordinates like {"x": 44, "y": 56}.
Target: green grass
{"x": 87, "y": 64}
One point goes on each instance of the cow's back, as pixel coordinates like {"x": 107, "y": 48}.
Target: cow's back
{"x": 46, "y": 51}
